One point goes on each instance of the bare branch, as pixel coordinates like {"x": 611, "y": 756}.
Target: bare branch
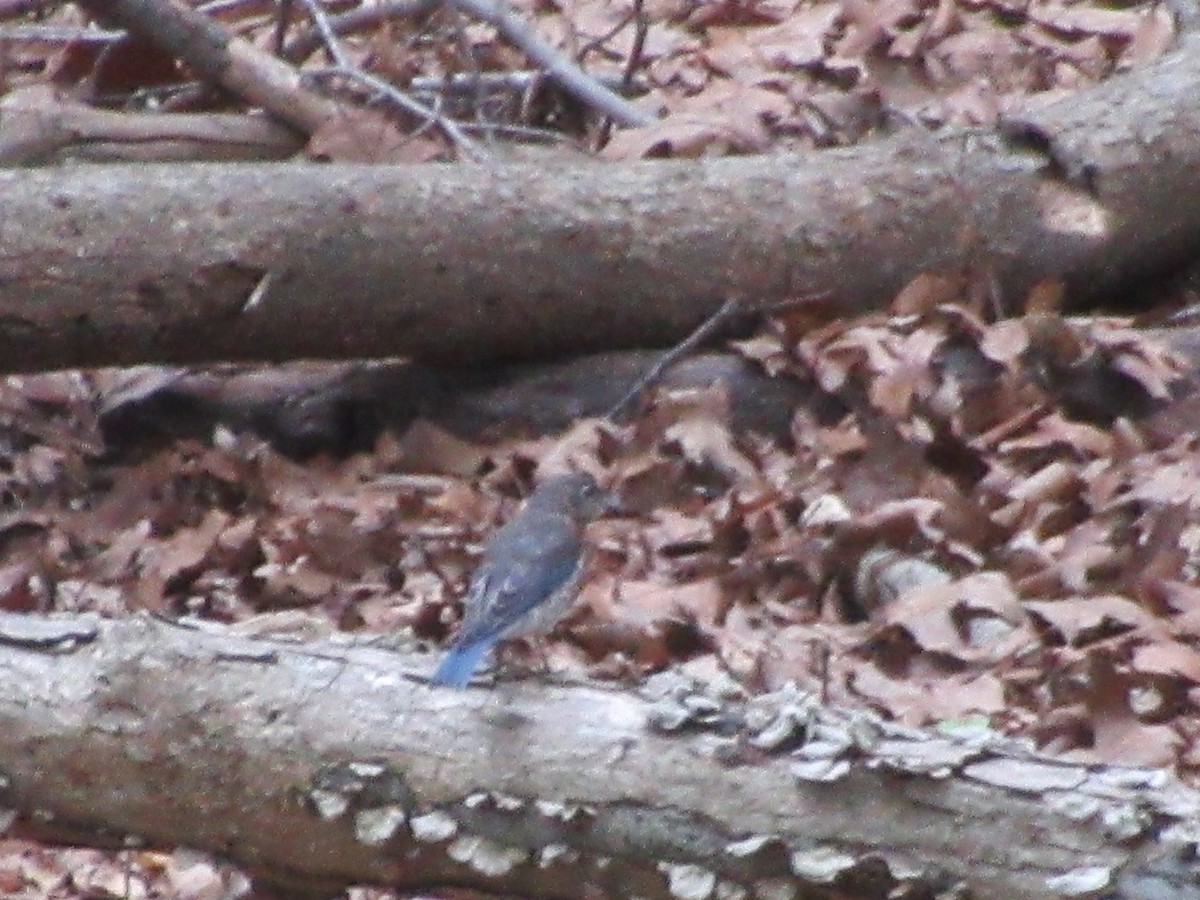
{"x": 558, "y": 67}
{"x": 347, "y": 69}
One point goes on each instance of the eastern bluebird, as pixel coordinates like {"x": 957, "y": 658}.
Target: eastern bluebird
{"x": 529, "y": 574}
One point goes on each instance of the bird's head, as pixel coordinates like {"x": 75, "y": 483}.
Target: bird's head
{"x": 575, "y": 493}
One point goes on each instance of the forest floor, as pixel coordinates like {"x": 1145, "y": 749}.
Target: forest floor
{"x": 976, "y": 523}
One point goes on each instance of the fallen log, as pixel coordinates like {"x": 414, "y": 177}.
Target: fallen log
{"x": 470, "y": 265}
{"x": 323, "y": 764}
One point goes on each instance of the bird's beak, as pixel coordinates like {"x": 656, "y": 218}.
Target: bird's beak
{"x": 612, "y": 503}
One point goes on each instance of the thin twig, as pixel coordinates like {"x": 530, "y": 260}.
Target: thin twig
{"x": 283, "y": 20}
{"x": 521, "y": 80}
{"x": 220, "y": 8}
{"x": 332, "y": 45}
{"x": 59, "y": 34}
{"x": 641, "y": 29}
{"x": 344, "y": 68}
{"x": 448, "y": 127}
{"x": 597, "y": 42}
{"x": 559, "y": 68}
{"x": 354, "y": 21}
{"x": 220, "y": 57}
{"x": 728, "y": 309}
{"x": 526, "y": 133}
{"x": 466, "y": 50}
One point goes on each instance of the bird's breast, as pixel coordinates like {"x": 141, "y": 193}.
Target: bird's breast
{"x": 543, "y": 617}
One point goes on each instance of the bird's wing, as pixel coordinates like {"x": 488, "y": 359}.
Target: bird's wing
{"x": 521, "y": 569}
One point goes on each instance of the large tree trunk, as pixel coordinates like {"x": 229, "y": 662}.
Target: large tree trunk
{"x": 324, "y": 765}
{"x": 470, "y": 264}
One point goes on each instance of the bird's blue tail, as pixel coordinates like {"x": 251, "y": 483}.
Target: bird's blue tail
{"x": 460, "y": 664}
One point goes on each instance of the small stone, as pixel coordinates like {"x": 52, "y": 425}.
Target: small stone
{"x": 820, "y": 770}
{"x": 477, "y": 800}
{"x": 1081, "y": 882}
{"x": 752, "y": 846}
{"x": 328, "y": 805}
{"x": 822, "y": 864}
{"x": 728, "y": 890}
{"x": 689, "y": 882}
{"x": 507, "y": 803}
{"x": 433, "y": 827}
{"x": 552, "y": 854}
{"x": 366, "y": 769}
{"x": 487, "y": 857}
{"x": 374, "y": 827}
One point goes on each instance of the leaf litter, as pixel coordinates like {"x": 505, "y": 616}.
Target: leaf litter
{"x": 962, "y": 538}
{"x": 732, "y": 76}
{"x": 980, "y": 540}
{"x": 970, "y": 519}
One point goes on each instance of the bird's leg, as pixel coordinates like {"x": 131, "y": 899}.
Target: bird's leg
{"x": 503, "y": 660}
{"x": 511, "y": 661}
{"x": 492, "y": 669}
{"x": 539, "y": 646}
{"x": 545, "y": 672}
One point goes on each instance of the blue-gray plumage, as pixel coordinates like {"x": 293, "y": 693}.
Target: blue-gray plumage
{"x": 529, "y": 574}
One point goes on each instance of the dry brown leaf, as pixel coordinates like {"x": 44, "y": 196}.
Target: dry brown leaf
{"x": 926, "y": 293}
{"x": 184, "y": 553}
{"x": 907, "y": 376}
{"x": 799, "y": 41}
{"x": 675, "y": 533}
{"x": 1154, "y": 36}
{"x": 921, "y": 702}
{"x": 1168, "y": 658}
{"x": 1055, "y": 431}
{"x": 1088, "y": 619}
{"x": 702, "y": 602}
{"x": 365, "y": 136}
{"x": 732, "y": 53}
{"x": 1174, "y": 482}
{"x": 725, "y": 119}
{"x": 425, "y": 447}
{"x": 971, "y": 618}
{"x": 1082, "y": 20}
